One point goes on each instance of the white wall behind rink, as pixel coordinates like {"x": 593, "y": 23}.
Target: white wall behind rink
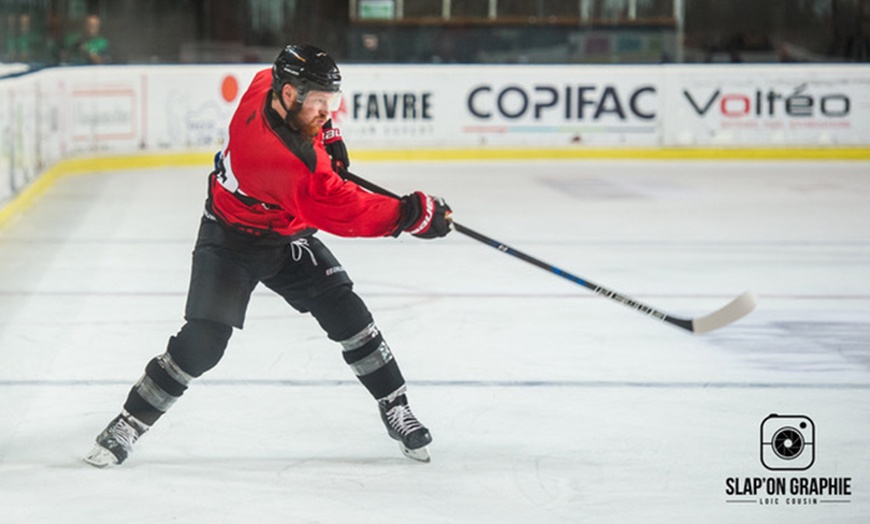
{"x": 59, "y": 113}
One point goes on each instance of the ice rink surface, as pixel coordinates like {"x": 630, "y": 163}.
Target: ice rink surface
{"x": 547, "y": 404}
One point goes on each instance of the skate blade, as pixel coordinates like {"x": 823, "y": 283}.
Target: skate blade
{"x": 419, "y": 454}
{"x": 100, "y": 457}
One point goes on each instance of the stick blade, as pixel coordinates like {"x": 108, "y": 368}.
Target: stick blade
{"x": 730, "y": 312}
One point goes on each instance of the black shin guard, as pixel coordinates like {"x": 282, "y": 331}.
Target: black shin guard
{"x": 345, "y": 318}
{"x": 371, "y": 360}
{"x": 197, "y": 348}
{"x": 161, "y": 385}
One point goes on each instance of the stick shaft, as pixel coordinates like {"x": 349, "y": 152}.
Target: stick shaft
{"x": 597, "y": 289}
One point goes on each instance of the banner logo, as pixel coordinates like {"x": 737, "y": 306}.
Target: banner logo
{"x": 770, "y": 103}
{"x": 567, "y": 102}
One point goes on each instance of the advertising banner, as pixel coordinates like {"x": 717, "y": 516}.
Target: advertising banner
{"x": 18, "y": 136}
{"x": 763, "y": 105}
{"x": 523, "y": 106}
{"x": 103, "y": 109}
{"x": 189, "y": 107}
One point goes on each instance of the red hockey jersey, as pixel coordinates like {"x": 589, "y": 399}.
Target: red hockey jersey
{"x": 274, "y": 182}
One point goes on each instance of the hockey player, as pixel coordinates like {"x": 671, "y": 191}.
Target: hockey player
{"x": 273, "y": 186}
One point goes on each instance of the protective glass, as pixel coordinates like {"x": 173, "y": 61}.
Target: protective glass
{"x": 328, "y": 100}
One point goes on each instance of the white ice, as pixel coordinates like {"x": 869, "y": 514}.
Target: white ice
{"x": 547, "y": 403}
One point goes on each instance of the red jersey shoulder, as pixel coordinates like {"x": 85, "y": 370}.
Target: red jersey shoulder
{"x": 252, "y": 102}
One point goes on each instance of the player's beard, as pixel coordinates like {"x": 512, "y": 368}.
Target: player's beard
{"x": 307, "y": 129}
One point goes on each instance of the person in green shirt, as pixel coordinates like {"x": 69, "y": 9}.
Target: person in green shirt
{"x": 89, "y": 46}
{"x": 11, "y": 45}
{"x": 25, "y": 44}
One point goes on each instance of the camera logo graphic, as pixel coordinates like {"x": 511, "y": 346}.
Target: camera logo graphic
{"x": 788, "y": 442}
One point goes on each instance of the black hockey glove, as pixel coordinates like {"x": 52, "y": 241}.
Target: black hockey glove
{"x": 334, "y": 145}
{"x": 424, "y": 216}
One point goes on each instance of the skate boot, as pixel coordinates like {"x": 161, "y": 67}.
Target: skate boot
{"x": 403, "y": 426}
{"x": 115, "y": 443}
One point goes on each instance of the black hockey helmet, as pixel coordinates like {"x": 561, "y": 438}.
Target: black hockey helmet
{"x": 307, "y": 68}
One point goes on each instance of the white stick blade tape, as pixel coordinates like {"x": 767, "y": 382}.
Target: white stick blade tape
{"x": 731, "y": 312}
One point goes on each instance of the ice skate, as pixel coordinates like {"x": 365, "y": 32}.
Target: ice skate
{"x": 115, "y": 443}
{"x": 403, "y": 426}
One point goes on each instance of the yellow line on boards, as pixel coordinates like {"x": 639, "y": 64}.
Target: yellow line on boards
{"x": 80, "y": 166}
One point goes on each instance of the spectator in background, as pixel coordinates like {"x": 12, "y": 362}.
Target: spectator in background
{"x": 87, "y": 47}
{"x": 9, "y": 51}
{"x": 28, "y": 45}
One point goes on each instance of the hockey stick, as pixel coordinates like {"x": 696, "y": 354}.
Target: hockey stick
{"x": 730, "y": 312}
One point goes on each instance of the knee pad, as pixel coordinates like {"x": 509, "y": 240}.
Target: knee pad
{"x": 199, "y": 345}
{"x": 340, "y": 312}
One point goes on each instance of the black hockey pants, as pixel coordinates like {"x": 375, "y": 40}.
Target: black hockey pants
{"x": 227, "y": 266}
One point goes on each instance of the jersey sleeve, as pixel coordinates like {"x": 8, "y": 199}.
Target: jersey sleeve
{"x": 327, "y": 202}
